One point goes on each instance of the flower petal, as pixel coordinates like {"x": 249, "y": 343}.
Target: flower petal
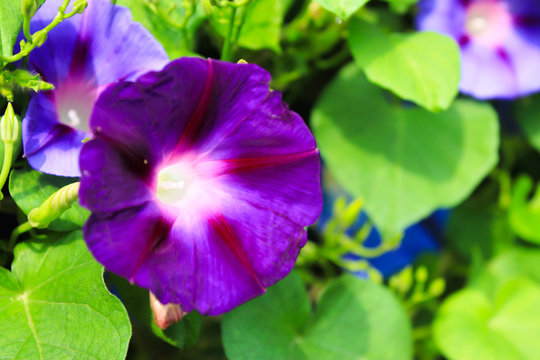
{"x": 112, "y": 180}
{"x": 487, "y": 73}
{"x": 49, "y": 146}
{"x": 154, "y": 110}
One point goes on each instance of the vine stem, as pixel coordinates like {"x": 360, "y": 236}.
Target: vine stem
{"x": 226, "y": 53}
{"x": 57, "y": 20}
{"x": 6, "y": 165}
{"x": 19, "y": 230}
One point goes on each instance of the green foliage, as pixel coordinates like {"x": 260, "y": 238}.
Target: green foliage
{"x": 401, "y": 6}
{"x": 342, "y": 8}
{"x": 183, "y": 334}
{"x": 261, "y": 28}
{"x": 165, "y": 20}
{"x": 55, "y": 305}
{"x": 474, "y": 325}
{"x": 524, "y": 215}
{"x": 30, "y": 188}
{"x": 480, "y": 227}
{"x": 354, "y": 319}
{"x": 11, "y": 19}
{"x": 422, "y": 67}
{"x": 528, "y": 115}
{"x": 404, "y": 161}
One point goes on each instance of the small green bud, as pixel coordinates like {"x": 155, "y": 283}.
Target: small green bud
{"x": 436, "y": 288}
{"x": 29, "y": 8}
{"x": 39, "y": 38}
{"x": 352, "y": 212}
{"x": 207, "y": 6}
{"x": 79, "y": 6}
{"x": 54, "y": 206}
{"x": 421, "y": 274}
{"x": 9, "y": 126}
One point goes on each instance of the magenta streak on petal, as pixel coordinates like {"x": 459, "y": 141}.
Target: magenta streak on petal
{"x": 503, "y": 54}
{"x": 219, "y": 224}
{"x": 159, "y": 234}
{"x": 194, "y": 124}
{"x": 234, "y": 166}
{"x": 56, "y": 132}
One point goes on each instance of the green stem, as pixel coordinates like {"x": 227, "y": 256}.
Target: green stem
{"x": 226, "y": 53}
{"x": 27, "y": 49}
{"x": 6, "y": 165}
{"x": 26, "y": 29}
{"x": 19, "y": 230}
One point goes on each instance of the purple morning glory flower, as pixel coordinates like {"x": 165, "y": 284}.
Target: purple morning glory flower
{"x": 499, "y": 41}
{"x": 200, "y": 182}
{"x": 80, "y": 58}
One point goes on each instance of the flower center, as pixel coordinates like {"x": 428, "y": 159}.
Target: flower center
{"x": 74, "y": 103}
{"x": 488, "y": 22}
{"x": 174, "y": 182}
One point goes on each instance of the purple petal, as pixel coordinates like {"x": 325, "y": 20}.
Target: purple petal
{"x": 117, "y": 47}
{"x": 50, "y": 146}
{"x": 112, "y": 180}
{"x": 152, "y": 112}
{"x": 443, "y": 16}
{"x": 81, "y": 57}
{"x": 225, "y": 158}
{"x": 141, "y": 228}
{"x": 487, "y": 73}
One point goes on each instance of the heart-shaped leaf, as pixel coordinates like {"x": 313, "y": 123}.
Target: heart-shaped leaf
{"x": 405, "y": 161}
{"x": 355, "y": 319}
{"x": 30, "y": 188}
{"x": 54, "y": 305}
{"x": 471, "y": 325}
{"x": 342, "y": 8}
{"x": 422, "y": 67}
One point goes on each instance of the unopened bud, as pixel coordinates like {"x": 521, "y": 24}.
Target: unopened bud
{"x": 207, "y": 6}
{"x": 436, "y": 288}
{"x": 39, "y": 38}
{"x": 9, "y": 126}
{"x": 242, "y": 61}
{"x": 54, "y": 206}
{"x": 29, "y": 8}
{"x": 79, "y": 6}
{"x": 421, "y": 274}
{"x": 165, "y": 315}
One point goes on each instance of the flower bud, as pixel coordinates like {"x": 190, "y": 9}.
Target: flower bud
{"x": 39, "y": 37}
{"x": 421, "y": 274}
{"x": 165, "y": 315}
{"x": 436, "y": 288}
{"x": 79, "y": 6}
{"x": 29, "y": 8}
{"x": 9, "y": 126}
{"x": 54, "y": 206}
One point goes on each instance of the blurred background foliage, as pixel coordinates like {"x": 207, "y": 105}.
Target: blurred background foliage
{"x": 427, "y": 247}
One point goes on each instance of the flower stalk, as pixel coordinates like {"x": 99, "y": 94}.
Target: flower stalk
{"x": 9, "y": 134}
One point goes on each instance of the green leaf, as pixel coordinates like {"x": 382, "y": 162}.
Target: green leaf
{"x": 479, "y": 226}
{"x": 515, "y": 263}
{"x": 342, "y": 8}
{"x": 528, "y": 115}
{"x": 11, "y": 19}
{"x": 30, "y": 188}
{"x": 405, "y": 161}
{"x": 524, "y": 215}
{"x": 183, "y": 334}
{"x": 422, "y": 67}
{"x": 472, "y": 325}
{"x": 155, "y": 17}
{"x": 54, "y": 305}
{"x": 355, "y": 319}
{"x": 401, "y": 6}
{"x": 262, "y": 25}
